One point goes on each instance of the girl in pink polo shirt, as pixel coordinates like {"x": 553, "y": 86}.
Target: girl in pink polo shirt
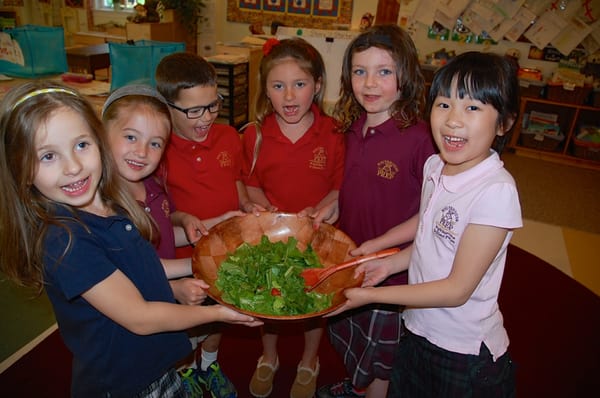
{"x": 454, "y": 335}
{"x": 293, "y": 163}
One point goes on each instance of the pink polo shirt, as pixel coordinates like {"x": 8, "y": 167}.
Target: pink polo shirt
{"x": 487, "y": 195}
{"x": 296, "y": 175}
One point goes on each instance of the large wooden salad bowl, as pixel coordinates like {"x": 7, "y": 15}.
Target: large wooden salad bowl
{"x": 330, "y": 244}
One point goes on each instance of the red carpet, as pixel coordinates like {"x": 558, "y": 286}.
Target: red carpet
{"x": 553, "y": 323}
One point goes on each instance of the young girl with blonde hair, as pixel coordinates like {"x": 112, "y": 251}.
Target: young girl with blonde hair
{"x": 293, "y": 163}
{"x": 69, "y": 225}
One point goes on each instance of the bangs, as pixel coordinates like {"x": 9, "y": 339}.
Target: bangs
{"x": 468, "y": 85}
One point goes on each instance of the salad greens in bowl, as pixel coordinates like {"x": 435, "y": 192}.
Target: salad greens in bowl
{"x": 253, "y": 264}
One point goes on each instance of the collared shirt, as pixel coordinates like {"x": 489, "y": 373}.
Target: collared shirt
{"x": 160, "y": 206}
{"x": 296, "y": 175}
{"x": 105, "y": 353}
{"x": 383, "y": 175}
{"x": 201, "y": 176}
{"x": 486, "y": 195}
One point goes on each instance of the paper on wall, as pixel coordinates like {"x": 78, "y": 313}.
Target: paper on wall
{"x": 425, "y": 12}
{"x": 545, "y": 29}
{"x": 522, "y": 20}
{"x": 444, "y": 20}
{"x": 575, "y": 31}
{"x": 486, "y": 14}
{"x": 592, "y": 42}
{"x": 452, "y": 8}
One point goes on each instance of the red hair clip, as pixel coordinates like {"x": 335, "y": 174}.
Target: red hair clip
{"x": 269, "y": 44}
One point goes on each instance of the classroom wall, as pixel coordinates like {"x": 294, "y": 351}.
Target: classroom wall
{"x": 235, "y": 32}
{"x": 231, "y": 32}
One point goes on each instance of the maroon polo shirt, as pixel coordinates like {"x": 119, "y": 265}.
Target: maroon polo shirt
{"x": 382, "y": 181}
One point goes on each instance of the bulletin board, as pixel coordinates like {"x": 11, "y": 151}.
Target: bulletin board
{"x": 318, "y": 14}
{"x": 562, "y": 24}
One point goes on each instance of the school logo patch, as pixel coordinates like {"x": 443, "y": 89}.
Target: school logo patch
{"x": 319, "y": 160}
{"x": 444, "y": 227}
{"x": 165, "y": 207}
{"x": 224, "y": 159}
{"x": 387, "y": 169}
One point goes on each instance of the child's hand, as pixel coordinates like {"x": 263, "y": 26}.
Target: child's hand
{"x": 367, "y": 247}
{"x": 190, "y": 291}
{"x": 193, "y": 227}
{"x": 308, "y": 212}
{"x": 355, "y": 297}
{"x": 231, "y": 214}
{"x": 375, "y": 271}
{"x": 254, "y": 208}
{"x": 271, "y": 208}
{"x": 228, "y": 315}
{"x": 328, "y": 214}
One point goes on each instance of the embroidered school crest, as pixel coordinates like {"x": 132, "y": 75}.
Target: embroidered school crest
{"x": 444, "y": 228}
{"x": 224, "y": 159}
{"x": 387, "y": 169}
{"x": 319, "y": 160}
{"x": 165, "y": 208}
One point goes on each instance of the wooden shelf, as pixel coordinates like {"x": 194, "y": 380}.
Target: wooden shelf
{"x": 570, "y": 118}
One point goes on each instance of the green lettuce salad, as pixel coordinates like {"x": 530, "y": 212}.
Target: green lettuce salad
{"x": 265, "y": 278}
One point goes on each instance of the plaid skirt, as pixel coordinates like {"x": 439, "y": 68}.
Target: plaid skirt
{"x": 422, "y": 369}
{"x": 366, "y": 340}
{"x": 169, "y": 385}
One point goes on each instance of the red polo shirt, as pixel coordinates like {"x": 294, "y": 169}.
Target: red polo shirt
{"x": 296, "y": 175}
{"x": 201, "y": 176}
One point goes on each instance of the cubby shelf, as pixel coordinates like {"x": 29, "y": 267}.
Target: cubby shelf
{"x": 570, "y": 118}
{"x": 232, "y": 80}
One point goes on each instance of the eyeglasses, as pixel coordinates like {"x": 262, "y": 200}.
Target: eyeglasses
{"x": 197, "y": 111}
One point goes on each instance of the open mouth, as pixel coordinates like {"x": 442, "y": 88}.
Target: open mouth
{"x": 454, "y": 142}
{"x": 77, "y": 187}
{"x": 290, "y": 110}
{"x": 135, "y": 165}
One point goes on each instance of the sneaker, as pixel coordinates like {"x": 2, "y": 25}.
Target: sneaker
{"x": 342, "y": 389}
{"x": 261, "y": 384}
{"x": 216, "y": 382}
{"x": 189, "y": 379}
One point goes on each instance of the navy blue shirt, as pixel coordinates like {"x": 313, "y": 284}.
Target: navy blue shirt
{"x": 108, "y": 360}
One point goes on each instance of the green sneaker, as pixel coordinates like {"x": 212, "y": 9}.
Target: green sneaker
{"x": 189, "y": 378}
{"x": 216, "y": 382}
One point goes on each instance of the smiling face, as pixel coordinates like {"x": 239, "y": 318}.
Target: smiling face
{"x": 137, "y": 139}
{"x": 194, "y": 129}
{"x": 374, "y": 83}
{"x": 291, "y": 91}
{"x": 69, "y": 165}
{"x": 464, "y": 130}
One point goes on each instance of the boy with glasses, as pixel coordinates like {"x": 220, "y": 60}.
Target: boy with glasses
{"x": 203, "y": 167}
